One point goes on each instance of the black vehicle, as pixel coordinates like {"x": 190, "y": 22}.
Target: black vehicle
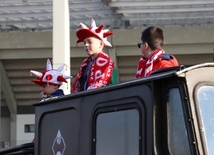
{"x": 169, "y": 112}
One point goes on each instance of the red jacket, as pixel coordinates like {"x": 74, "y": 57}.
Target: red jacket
{"x": 164, "y": 62}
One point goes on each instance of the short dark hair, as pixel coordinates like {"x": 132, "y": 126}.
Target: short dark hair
{"x": 153, "y": 35}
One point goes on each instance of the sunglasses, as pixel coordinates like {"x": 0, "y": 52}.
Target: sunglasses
{"x": 139, "y": 44}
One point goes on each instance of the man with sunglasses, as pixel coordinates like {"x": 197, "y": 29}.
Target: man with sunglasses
{"x": 153, "y": 55}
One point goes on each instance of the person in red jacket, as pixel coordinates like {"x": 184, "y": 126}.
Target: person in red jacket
{"x": 153, "y": 55}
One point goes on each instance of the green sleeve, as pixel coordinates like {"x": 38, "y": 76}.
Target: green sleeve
{"x": 114, "y": 77}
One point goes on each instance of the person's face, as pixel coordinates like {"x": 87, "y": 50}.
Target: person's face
{"x": 142, "y": 46}
{"x": 49, "y": 88}
{"x": 145, "y": 49}
{"x": 93, "y": 46}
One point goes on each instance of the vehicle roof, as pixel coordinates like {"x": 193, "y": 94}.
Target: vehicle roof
{"x": 178, "y": 71}
{"x": 209, "y": 64}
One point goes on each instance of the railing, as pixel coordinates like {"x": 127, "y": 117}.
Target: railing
{"x": 23, "y": 149}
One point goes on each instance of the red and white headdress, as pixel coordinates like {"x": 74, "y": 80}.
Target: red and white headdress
{"x": 52, "y": 76}
{"x": 93, "y": 31}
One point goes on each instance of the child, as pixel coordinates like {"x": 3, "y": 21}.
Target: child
{"x": 153, "y": 55}
{"x": 97, "y": 69}
{"x": 50, "y": 80}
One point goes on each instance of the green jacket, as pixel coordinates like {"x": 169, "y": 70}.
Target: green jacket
{"x": 114, "y": 77}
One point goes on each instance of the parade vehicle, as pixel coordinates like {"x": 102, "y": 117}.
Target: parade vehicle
{"x": 169, "y": 112}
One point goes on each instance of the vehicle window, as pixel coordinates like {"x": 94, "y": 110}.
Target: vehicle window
{"x": 177, "y": 133}
{"x": 117, "y": 133}
{"x": 206, "y": 107}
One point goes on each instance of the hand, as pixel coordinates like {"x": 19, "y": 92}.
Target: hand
{"x": 42, "y": 94}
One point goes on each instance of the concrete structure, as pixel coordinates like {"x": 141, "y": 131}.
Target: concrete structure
{"x": 22, "y": 51}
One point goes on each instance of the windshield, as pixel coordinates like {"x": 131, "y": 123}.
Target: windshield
{"x": 206, "y": 108}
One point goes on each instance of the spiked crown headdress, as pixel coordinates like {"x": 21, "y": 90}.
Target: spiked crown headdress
{"x": 53, "y": 76}
{"x": 93, "y": 31}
